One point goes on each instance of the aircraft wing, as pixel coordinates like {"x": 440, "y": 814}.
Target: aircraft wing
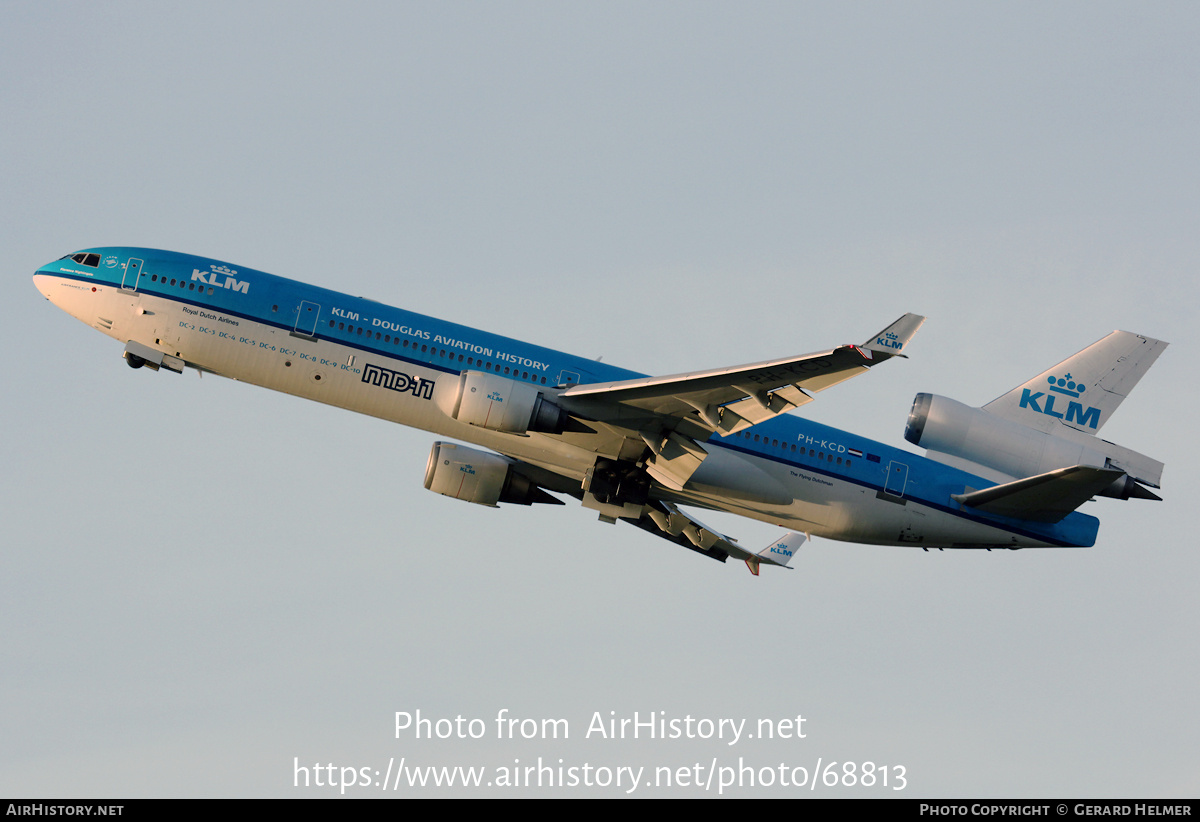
{"x": 728, "y": 400}
{"x": 666, "y": 520}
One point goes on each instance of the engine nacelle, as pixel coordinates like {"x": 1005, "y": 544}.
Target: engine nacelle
{"x": 950, "y": 427}
{"x": 480, "y": 477}
{"x": 499, "y": 404}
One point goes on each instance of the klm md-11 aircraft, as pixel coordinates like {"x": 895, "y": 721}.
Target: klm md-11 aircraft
{"x": 634, "y": 448}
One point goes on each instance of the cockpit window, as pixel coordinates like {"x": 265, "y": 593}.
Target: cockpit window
{"x": 87, "y": 259}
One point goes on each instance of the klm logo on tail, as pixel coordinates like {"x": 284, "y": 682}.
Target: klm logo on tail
{"x": 1064, "y": 385}
{"x": 889, "y": 340}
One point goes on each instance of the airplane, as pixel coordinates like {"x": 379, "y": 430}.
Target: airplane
{"x": 634, "y": 448}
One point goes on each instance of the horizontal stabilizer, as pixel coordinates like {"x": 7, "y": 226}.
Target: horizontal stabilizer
{"x": 1046, "y": 497}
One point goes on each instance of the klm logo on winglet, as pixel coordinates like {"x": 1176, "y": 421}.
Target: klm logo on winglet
{"x": 222, "y": 277}
{"x": 1043, "y": 403}
{"x": 889, "y": 340}
{"x": 781, "y": 548}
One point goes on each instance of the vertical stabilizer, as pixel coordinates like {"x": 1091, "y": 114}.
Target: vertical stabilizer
{"x": 1082, "y": 391}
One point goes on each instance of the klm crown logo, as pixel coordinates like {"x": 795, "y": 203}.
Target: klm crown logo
{"x": 1066, "y": 385}
{"x": 1043, "y": 403}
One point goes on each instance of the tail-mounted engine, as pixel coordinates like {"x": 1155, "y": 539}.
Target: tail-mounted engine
{"x": 499, "y": 404}
{"x": 980, "y": 438}
{"x": 480, "y": 477}
{"x": 950, "y": 427}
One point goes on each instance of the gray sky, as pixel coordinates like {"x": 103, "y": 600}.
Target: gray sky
{"x": 203, "y": 581}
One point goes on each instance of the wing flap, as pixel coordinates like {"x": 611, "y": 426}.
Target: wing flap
{"x": 666, "y": 520}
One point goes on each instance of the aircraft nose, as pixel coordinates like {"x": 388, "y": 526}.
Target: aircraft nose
{"x": 42, "y": 283}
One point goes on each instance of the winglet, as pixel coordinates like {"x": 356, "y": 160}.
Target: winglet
{"x": 892, "y": 340}
{"x": 779, "y": 552}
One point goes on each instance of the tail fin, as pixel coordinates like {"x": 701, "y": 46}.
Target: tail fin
{"x": 1045, "y": 425}
{"x": 1081, "y": 392}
